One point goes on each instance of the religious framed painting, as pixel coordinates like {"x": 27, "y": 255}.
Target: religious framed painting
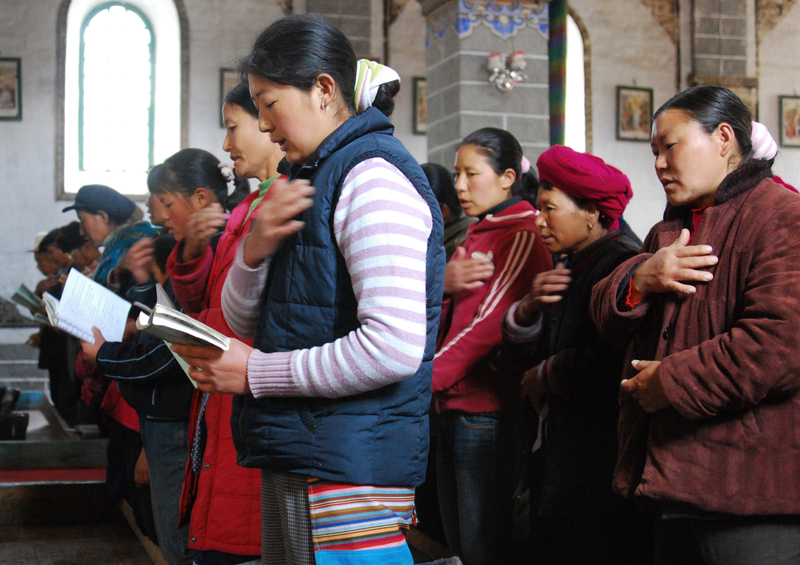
{"x": 790, "y": 120}
{"x": 10, "y": 89}
{"x": 420, "y": 106}
{"x": 228, "y": 78}
{"x": 634, "y": 113}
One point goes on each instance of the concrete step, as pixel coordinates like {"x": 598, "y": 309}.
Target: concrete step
{"x": 19, "y": 368}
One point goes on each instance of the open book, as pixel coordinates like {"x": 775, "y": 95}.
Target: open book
{"x": 165, "y": 322}
{"x": 84, "y": 304}
{"x": 27, "y": 299}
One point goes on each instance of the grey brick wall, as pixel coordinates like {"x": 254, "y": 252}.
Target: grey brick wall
{"x": 460, "y": 98}
{"x": 353, "y": 17}
{"x": 720, "y": 42}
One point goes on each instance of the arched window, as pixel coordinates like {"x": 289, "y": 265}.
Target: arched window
{"x": 122, "y": 80}
{"x": 575, "y": 116}
{"x": 116, "y": 87}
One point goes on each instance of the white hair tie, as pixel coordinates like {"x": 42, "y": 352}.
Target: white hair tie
{"x": 227, "y": 171}
{"x": 764, "y": 146}
{"x": 369, "y": 76}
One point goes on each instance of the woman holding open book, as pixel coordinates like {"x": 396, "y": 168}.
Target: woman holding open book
{"x": 221, "y": 501}
{"x": 111, "y": 221}
{"x": 332, "y": 403}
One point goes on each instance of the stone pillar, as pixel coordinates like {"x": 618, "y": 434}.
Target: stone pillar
{"x": 353, "y": 17}
{"x": 460, "y": 100}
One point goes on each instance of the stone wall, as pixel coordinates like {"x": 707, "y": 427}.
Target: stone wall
{"x": 460, "y": 36}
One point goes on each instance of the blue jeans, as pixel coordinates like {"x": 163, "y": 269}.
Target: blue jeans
{"x": 477, "y": 466}
{"x": 166, "y": 446}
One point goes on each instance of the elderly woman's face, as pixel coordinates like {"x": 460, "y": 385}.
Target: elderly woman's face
{"x": 690, "y": 163}
{"x": 94, "y": 227}
{"x": 564, "y": 226}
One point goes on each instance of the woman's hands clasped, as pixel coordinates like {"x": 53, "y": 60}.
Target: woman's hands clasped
{"x": 274, "y": 221}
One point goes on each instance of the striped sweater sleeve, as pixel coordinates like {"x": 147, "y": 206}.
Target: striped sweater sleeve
{"x": 241, "y": 294}
{"x": 381, "y": 226}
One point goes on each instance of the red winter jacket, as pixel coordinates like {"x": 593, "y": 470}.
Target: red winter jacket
{"x": 224, "y": 500}
{"x": 470, "y": 333}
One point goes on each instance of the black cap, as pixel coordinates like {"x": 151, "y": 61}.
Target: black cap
{"x": 96, "y": 197}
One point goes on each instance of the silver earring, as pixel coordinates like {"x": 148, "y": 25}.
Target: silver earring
{"x": 324, "y": 106}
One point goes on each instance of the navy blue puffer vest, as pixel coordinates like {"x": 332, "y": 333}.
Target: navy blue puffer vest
{"x": 377, "y": 438}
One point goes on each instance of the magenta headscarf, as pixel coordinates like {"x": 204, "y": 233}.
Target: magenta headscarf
{"x": 587, "y": 177}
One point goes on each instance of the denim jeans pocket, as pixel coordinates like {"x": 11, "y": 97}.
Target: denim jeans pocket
{"x": 478, "y": 422}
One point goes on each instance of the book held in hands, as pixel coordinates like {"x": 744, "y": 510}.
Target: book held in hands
{"x": 85, "y": 304}
{"x": 176, "y": 327}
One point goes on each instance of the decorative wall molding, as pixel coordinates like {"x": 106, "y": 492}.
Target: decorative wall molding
{"x": 504, "y": 18}
{"x": 666, "y": 13}
{"x": 769, "y": 13}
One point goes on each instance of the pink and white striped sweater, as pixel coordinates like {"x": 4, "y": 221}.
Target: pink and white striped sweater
{"x": 381, "y": 226}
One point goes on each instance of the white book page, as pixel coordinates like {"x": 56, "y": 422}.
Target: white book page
{"x": 51, "y": 306}
{"x": 84, "y": 304}
{"x": 162, "y": 298}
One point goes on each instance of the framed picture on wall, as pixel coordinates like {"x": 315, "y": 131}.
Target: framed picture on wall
{"x": 10, "y": 89}
{"x": 790, "y": 120}
{"x": 228, "y": 78}
{"x": 420, "y": 105}
{"x": 634, "y": 113}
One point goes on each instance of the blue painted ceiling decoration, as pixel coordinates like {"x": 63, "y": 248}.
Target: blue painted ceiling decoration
{"x": 503, "y": 17}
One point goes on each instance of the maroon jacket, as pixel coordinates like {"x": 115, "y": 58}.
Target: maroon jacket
{"x": 730, "y": 358}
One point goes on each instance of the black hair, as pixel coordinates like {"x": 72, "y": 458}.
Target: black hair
{"x": 504, "y": 152}
{"x": 296, "y": 49}
{"x": 582, "y": 203}
{"x": 712, "y": 105}
{"x": 48, "y": 241}
{"x": 190, "y": 169}
{"x": 443, "y": 186}
{"x": 240, "y": 95}
{"x": 162, "y": 247}
{"x": 70, "y": 238}
{"x": 155, "y": 177}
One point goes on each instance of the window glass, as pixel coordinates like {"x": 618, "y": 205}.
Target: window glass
{"x": 115, "y": 122}
{"x": 575, "y": 108}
